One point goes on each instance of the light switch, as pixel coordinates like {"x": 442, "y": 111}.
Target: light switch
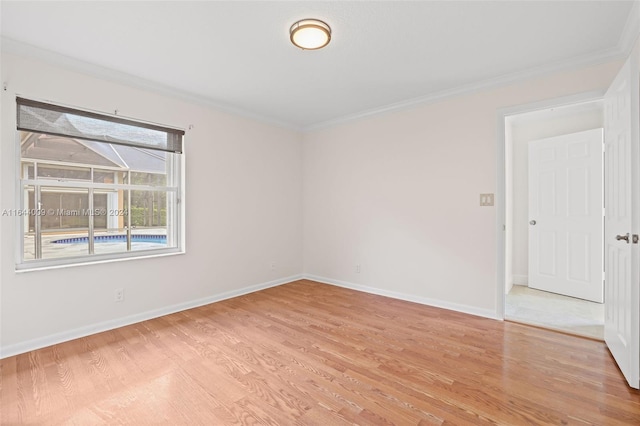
{"x": 486, "y": 200}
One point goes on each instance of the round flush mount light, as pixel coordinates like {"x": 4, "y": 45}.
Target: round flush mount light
{"x": 310, "y": 34}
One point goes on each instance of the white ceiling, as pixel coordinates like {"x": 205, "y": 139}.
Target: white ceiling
{"x": 237, "y": 54}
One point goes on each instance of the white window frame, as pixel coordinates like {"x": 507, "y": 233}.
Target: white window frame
{"x": 175, "y": 223}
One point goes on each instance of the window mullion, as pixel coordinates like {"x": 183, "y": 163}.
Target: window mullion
{"x": 129, "y": 215}
{"x": 108, "y": 186}
{"x": 91, "y": 215}
{"x": 37, "y": 239}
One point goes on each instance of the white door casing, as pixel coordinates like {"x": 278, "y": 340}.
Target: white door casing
{"x": 565, "y": 213}
{"x": 622, "y": 186}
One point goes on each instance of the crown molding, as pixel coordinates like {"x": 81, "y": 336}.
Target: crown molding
{"x": 19, "y": 48}
{"x": 572, "y": 64}
{"x": 627, "y": 40}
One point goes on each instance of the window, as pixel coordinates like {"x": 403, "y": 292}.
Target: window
{"x": 95, "y": 187}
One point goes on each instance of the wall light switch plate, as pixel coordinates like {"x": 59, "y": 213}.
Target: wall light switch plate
{"x": 486, "y": 199}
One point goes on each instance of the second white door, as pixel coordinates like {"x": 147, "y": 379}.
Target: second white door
{"x": 565, "y": 215}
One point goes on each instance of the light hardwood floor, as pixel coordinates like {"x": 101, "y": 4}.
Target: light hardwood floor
{"x": 312, "y": 354}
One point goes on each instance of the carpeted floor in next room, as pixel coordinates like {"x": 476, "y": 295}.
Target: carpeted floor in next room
{"x": 554, "y": 311}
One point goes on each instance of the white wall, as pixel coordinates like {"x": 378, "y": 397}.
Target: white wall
{"x": 399, "y": 195}
{"x": 396, "y": 194}
{"x": 526, "y": 128}
{"x": 244, "y": 210}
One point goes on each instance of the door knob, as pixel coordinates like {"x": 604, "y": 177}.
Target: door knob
{"x": 532, "y": 222}
{"x": 623, "y": 237}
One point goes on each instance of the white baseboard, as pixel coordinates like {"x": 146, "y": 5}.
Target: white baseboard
{"x": 77, "y": 333}
{"x": 65, "y": 336}
{"x": 486, "y": 313}
{"x": 508, "y": 288}
{"x": 520, "y": 279}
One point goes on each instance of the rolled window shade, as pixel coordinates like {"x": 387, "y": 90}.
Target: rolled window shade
{"x": 52, "y": 119}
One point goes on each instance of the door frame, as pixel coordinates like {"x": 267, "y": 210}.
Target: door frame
{"x": 500, "y": 199}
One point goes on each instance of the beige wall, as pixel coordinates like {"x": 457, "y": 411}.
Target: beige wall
{"x": 243, "y": 201}
{"x": 398, "y": 194}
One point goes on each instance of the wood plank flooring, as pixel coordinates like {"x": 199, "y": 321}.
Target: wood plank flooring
{"x": 306, "y": 353}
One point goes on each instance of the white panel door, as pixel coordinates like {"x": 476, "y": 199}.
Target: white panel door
{"x": 565, "y": 213}
{"x": 622, "y": 279}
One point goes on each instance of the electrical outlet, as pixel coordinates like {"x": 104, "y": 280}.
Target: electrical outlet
{"x": 357, "y": 268}
{"x": 119, "y": 295}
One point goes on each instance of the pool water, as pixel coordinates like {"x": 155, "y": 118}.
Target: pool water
{"x": 159, "y": 239}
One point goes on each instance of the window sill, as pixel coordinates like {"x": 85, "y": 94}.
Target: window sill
{"x": 93, "y": 260}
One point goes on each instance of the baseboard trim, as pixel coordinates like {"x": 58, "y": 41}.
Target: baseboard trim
{"x": 42, "y": 342}
{"x": 520, "y": 279}
{"x": 65, "y": 336}
{"x": 465, "y": 309}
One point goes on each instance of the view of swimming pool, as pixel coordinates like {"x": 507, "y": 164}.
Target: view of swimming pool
{"x": 139, "y": 238}
{"x": 76, "y": 244}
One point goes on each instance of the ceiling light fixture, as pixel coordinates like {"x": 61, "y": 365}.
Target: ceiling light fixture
{"x": 310, "y": 34}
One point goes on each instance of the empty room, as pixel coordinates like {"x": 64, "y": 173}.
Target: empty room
{"x": 320, "y": 213}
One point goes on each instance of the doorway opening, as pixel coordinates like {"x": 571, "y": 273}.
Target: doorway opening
{"x": 520, "y": 300}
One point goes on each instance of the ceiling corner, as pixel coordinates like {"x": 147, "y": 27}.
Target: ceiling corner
{"x": 631, "y": 30}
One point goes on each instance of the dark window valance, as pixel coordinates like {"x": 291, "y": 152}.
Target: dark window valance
{"x": 57, "y": 120}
